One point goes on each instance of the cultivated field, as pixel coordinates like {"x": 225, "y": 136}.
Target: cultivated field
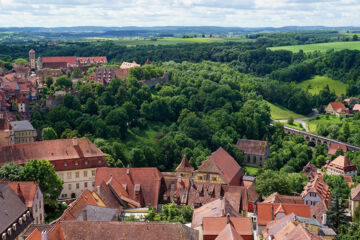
{"x": 281, "y": 113}
{"x": 317, "y": 83}
{"x": 322, "y": 47}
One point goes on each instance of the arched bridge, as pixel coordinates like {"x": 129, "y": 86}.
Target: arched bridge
{"x": 317, "y": 139}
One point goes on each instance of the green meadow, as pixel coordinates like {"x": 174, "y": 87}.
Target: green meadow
{"x": 322, "y": 47}
{"x": 317, "y": 83}
{"x": 281, "y": 113}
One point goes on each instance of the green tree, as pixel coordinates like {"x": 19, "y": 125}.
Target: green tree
{"x": 290, "y": 120}
{"x": 76, "y": 73}
{"x": 48, "y": 134}
{"x": 49, "y": 81}
{"x": 272, "y": 181}
{"x": 336, "y": 213}
{"x": 63, "y": 82}
{"x": 349, "y": 231}
{"x": 356, "y": 217}
{"x": 11, "y": 171}
{"x": 21, "y": 61}
{"x": 355, "y": 37}
{"x": 42, "y": 172}
{"x": 91, "y": 107}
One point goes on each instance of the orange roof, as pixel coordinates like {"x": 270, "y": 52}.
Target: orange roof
{"x": 35, "y": 235}
{"x": 229, "y": 233}
{"x": 335, "y": 146}
{"x": 342, "y": 164}
{"x": 355, "y": 193}
{"x": 349, "y": 180}
{"x": 265, "y": 211}
{"x": 318, "y": 210}
{"x": 301, "y": 233}
{"x": 223, "y": 163}
{"x": 28, "y": 190}
{"x": 148, "y": 181}
{"x": 356, "y": 107}
{"x": 214, "y": 225}
{"x": 318, "y": 186}
{"x": 69, "y": 60}
{"x": 277, "y": 198}
{"x": 184, "y": 166}
{"x": 337, "y": 105}
{"x": 84, "y": 155}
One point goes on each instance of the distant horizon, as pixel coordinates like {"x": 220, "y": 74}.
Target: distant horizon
{"x": 146, "y": 13}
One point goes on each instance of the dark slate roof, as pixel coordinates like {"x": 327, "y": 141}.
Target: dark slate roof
{"x": 97, "y": 213}
{"x": 24, "y": 125}
{"x": 326, "y": 231}
{"x": 11, "y": 207}
{"x": 249, "y": 178}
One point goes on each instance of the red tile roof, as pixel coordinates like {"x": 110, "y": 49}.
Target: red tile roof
{"x": 223, "y": 163}
{"x": 277, "y": 198}
{"x": 35, "y": 235}
{"x": 266, "y": 211}
{"x": 62, "y": 153}
{"x": 318, "y": 186}
{"x": 217, "y": 208}
{"x": 184, "y": 166}
{"x": 147, "y": 179}
{"x": 27, "y": 190}
{"x": 349, "y": 180}
{"x": 229, "y": 233}
{"x": 335, "y": 146}
{"x": 301, "y": 233}
{"x": 337, "y": 105}
{"x": 252, "y": 147}
{"x": 214, "y": 225}
{"x": 92, "y": 60}
{"x": 68, "y": 60}
{"x": 177, "y": 187}
{"x": 318, "y": 210}
{"x": 355, "y": 193}
{"x": 341, "y": 164}
{"x": 94, "y": 230}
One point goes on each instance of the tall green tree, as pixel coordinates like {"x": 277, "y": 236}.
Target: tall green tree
{"x": 48, "y": 134}
{"x": 336, "y": 213}
{"x": 11, "y": 171}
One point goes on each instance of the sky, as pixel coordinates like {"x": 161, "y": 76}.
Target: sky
{"x": 228, "y": 13}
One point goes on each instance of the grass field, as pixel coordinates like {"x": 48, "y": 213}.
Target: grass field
{"x": 281, "y": 113}
{"x": 322, "y": 47}
{"x": 252, "y": 171}
{"x": 170, "y": 41}
{"x": 319, "y": 82}
{"x": 295, "y": 125}
{"x": 322, "y": 120}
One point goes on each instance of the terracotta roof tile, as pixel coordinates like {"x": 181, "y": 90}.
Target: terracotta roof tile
{"x": 355, "y": 193}
{"x": 217, "y": 208}
{"x": 223, "y": 163}
{"x": 68, "y": 60}
{"x": 337, "y": 105}
{"x": 92, "y": 60}
{"x": 300, "y": 233}
{"x": 59, "y": 152}
{"x": 318, "y": 210}
{"x": 342, "y": 164}
{"x": 277, "y": 198}
{"x": 319, "y": 187}
{"x": 266, "y": 211}
{"x": 203, "y": 193}
{"x": 177, "y": 189}
{"x": 252, "y": 147}
{"x": 79, "y": 230}
{"x": 356, "y": 107}
{"x": 35, "y": 235}
{"x": 229, "y": 233}
{"x": 214, "y": 225}
{"x": 335, "y": 146}
{"x": 349, "y": 180}
{"x": 148, "y": 178}
{"x": 184, "y": 166}
{"x": 28, "y": 190}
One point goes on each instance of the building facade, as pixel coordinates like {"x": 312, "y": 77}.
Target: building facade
{"x": 22, "y": 132}
{"x": 255, "y": 152}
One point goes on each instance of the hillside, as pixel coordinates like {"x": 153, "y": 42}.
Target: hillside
{"x": 322, "y": 47}
{"x": 281, "y": 113}
{"x": 319, "y": 82}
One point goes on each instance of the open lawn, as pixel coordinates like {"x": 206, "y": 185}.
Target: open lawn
{"x": 281, "y": 113}
{"x": 322, "y": 47}
{"x": 295, "y": 125}
{"x": 317, "y": 83}
{"x": 252, "y": 171}
{"x": 322, "y": 120}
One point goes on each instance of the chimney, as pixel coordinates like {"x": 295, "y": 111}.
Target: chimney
{"x": 43, "y": 235}
{"x": 84, "y": 214}
{"x": 272, "y": 212}
{"x": 75, "y": 141}
{"x": 227, "y": 218}
{"x": 324, "y": 219}
{"x": 128, "y": 171}
{"x": 179, "y": 179}
{"x": 98, "y": 190}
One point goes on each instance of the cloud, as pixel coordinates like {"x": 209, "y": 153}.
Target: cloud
{"x": 242, "y": 13}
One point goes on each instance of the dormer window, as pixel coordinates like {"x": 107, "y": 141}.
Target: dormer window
{"x": 65, "y": 165}
{"x": 165, "y": 197}
{"x": 76, "y": 164}
{"x": 86, "y": 162}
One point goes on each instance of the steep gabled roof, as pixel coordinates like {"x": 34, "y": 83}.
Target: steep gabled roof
{"x": 337, "y": 105}
{"x": 335, "y": 146}
{"x": 223, "y": 163}
{"x": 68, "y": 60}
{"x": 319, "y": 187}
{"x": 277, "y": 198}
{"x": 355, "y": 193}
{"x": 229, "y": 233}
{"x": 28, "y": 190}
{"x": 185, "y": 165}
{"x": 214, "y": 225}
{"x": 266, "y": 211}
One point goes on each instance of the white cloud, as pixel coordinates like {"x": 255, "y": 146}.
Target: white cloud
{"x": 242, "y": 13}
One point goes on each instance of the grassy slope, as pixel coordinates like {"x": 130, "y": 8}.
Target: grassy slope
{"x": 281, "y": 113}
{"x": 252, "y": 171}
{"x": 319, "y": 82}
{"x": 323, "y": 120}
{"x": 296, "y": 125}
{"x": 323, "y": 47}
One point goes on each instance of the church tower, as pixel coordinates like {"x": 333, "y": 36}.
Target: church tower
{"x": 32, "y": 59}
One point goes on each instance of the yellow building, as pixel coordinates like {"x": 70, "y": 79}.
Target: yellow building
{"x": 22, "y": 132}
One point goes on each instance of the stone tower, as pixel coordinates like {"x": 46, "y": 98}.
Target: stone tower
{"x": 32, "y": 59}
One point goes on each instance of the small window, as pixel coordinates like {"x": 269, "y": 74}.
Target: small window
{"x": 69, "y": 186}
{"x": 69, "y": 175}
{"x": 214, "y": 178}
{"x": 76, "y": 164}
{"x": 93, "y": 173}
{"x": 65, "y": 164}
{"x": 77, "y": 185}
{"x": 77, "y": 174}
{"x": 86, "y": 162}
{"x": 85, "y": 185}
{"x": 200, "y": 177}
{"x": 85, "y": 173}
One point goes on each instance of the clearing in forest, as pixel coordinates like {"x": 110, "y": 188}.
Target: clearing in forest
{"x": 322, "y": 47}
{"x": 317, "y": 83}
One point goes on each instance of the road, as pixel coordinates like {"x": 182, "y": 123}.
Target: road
{"x": 314, "y": 113}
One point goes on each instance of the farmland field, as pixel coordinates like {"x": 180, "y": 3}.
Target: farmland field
{"x": 281, "y": 113}
{"x": 319, "y": 82}
{"x": 322, "y": 47}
